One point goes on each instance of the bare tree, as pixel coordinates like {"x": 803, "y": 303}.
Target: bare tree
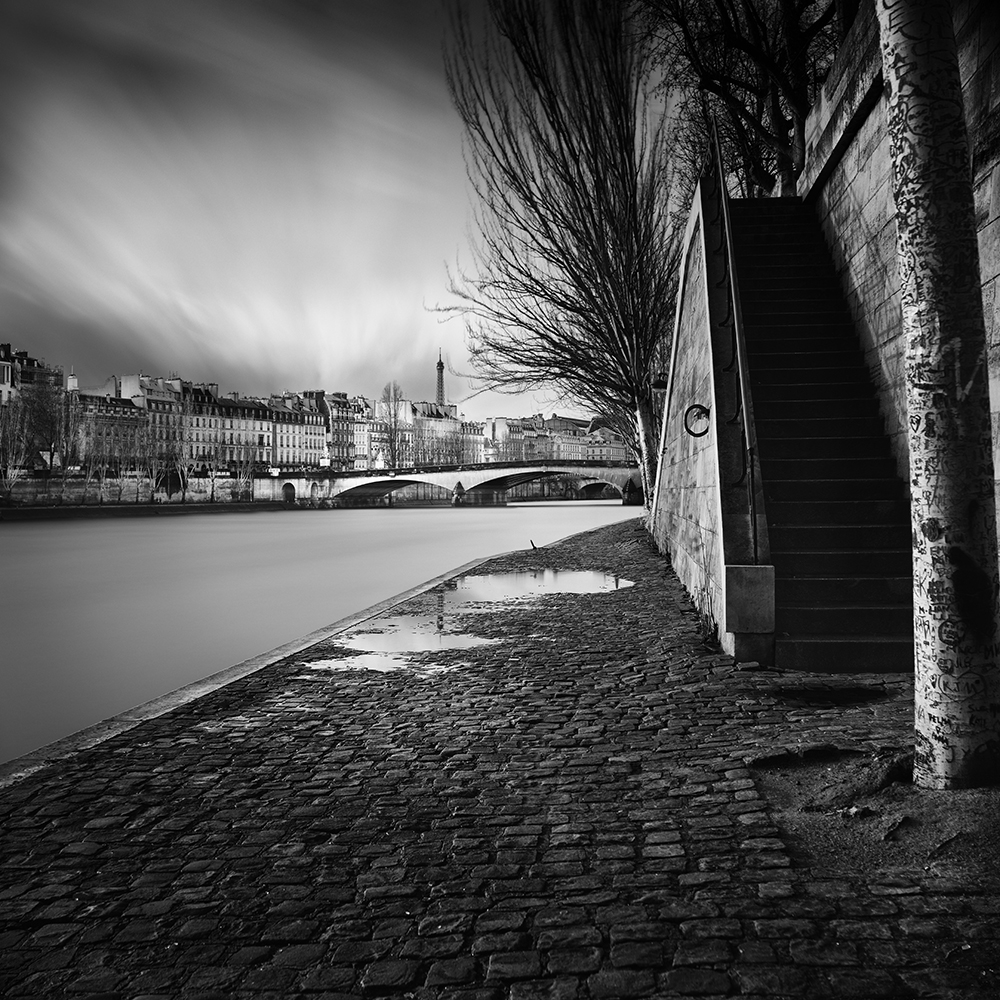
{"x": 244, "y": 464}
{"x": 44, "y": 413}
{"x": 86, "y": 435}
{"x": 117, "y": 436}
{"x": 153, "y": 459}
{"x": 215, "y": 457}
{"x": 13, "y": 445}
{"x": 439, "y": 442}
{"x": 760, "y": 62}
{"x": 72, "y": 418}
{"x": 393, "y": 416}
{"x": 577, "y": 254}
{"x": 182, "y": 455}
{"x": 99, "y": 453}
{"x": 133, "y": 457}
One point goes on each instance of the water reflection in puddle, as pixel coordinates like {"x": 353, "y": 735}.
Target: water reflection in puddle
{"x": 382, "y": 663}
{"x": 411, "y": 634}
{"x": 382, "y": 645}
{"x": 533, "y": 583}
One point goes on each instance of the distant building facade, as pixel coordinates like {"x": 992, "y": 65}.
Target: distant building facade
{"x": 167, "y": 431}
{"x": 18, "y": 369}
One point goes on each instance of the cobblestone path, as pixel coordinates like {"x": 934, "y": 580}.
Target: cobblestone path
{"x": 566, "y": 813}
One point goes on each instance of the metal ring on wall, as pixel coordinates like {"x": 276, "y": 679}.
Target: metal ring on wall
{"x": 700, "y": 412}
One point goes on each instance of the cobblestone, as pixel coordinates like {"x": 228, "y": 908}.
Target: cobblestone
{"x": 564, "y": 813}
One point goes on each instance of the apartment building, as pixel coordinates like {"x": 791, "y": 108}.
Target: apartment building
{"x": 298, "y": 431}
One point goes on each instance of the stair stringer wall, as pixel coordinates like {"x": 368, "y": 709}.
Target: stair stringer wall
{"x": 700, "y": 517}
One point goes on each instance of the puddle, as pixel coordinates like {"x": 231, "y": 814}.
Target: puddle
{"x": 382, "y": 644}
{"x": 534, "y": 583}
{"x": 410, "y": 634}
{"x": 383, "y": 663}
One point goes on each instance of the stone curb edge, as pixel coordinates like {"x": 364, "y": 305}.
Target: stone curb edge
{"x": 14, "y": 770}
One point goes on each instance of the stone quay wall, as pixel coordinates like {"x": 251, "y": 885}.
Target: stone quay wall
{"x": 848, "y": 178}
{"x": 700, "y": 514}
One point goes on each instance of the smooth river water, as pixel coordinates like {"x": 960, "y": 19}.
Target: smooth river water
{"x": 99, "y": 616}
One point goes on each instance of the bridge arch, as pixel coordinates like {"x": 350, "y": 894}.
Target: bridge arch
{"x": 598, "y": 489}
{"x": 477, "y": 481}
{"x": 377, "y": 489}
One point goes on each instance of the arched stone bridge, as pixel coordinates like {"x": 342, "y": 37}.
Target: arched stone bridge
{"x": 479, "y": 482}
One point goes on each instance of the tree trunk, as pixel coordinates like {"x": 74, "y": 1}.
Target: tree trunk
{"x": 957, "y": 680}
{"x": 647, "y": 434}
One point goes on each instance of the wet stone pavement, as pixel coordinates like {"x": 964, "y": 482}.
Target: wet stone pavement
{"x": 564, "y": 811}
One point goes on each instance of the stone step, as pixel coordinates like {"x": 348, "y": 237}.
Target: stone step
{"x": 853, "y": 510}
{"x": 825, "y": 447}
{"x": 769, "y": 428}
{"x": 841, "y": 562}
{"x": 834, "y": 489}
{"x": 793, "y": 298}
{"x": 804, "y": 537}
{"x": 789, "y": 379}
{"x": 844, "y": 654}
{"x": 852, "y": 391}
{"x": 807, "y": 325}
{"x": 783, "y": 341}
{"x": 798, "y": 356}
{"x": 823, "y": 410}
{"x": 749, "y": 271}
{"x": 848, "y": 468}
{"x": 762, "y": 224}
{"x": 845, "y": 619}
{"x": 850, "y": 590}
{"x": 786, "y": 250}
{"x": 768, "y": 288}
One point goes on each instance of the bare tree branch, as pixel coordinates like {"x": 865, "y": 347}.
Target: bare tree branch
{"x": 762, "y": 60}
{"x": 576, "y": 251}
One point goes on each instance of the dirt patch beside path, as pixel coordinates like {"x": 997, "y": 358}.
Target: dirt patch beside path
{"x": 859, "y": 813}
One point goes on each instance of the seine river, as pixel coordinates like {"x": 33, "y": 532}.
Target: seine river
{"x": 99, "y": 616}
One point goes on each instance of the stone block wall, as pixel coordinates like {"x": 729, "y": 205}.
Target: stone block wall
{"x": 52, "y": 491}
{"x": 848, "y": 179}
{"x": 686, "y": 515}
{"x": 701, "y": 515}
{"x": 977, "y": 31}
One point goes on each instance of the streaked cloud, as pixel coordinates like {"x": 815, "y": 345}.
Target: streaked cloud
{"x": 258, "y": 192}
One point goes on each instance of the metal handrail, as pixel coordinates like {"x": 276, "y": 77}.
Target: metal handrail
{"x": 747, "y": 431}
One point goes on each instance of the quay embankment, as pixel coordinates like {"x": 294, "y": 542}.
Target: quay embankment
{"x": 574, "y": 795}
{"x": 64, "y": 513}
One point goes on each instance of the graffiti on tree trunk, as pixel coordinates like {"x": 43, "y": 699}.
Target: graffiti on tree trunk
{"x": 957, "y": 683}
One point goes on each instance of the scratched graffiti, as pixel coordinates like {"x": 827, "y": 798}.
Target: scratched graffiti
{"x": 951, "y": 632}
{"x": 969, "y": 685}
{"x": 957, "y": 688}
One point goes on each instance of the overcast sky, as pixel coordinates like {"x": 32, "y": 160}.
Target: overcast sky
{"x": 263, "y": 193}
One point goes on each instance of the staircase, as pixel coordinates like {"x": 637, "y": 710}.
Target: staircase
{"x": 837, "y": 512}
